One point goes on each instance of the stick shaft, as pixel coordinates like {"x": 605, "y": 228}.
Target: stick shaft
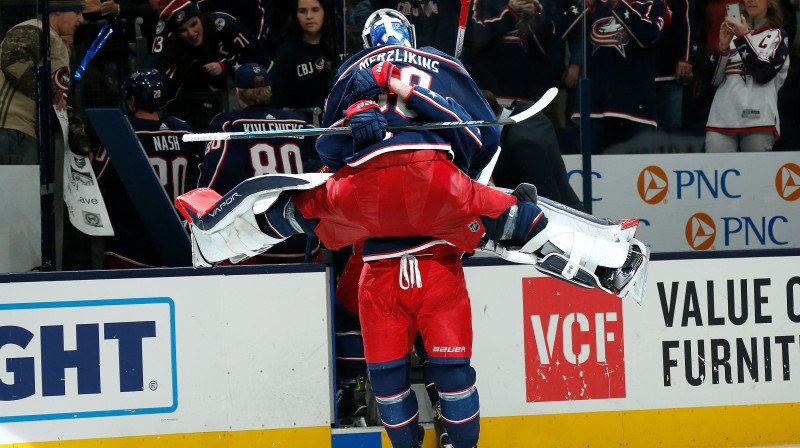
{"x": 533, "y": 110}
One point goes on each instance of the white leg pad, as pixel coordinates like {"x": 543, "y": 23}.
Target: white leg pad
{"x": 581, "y": 248}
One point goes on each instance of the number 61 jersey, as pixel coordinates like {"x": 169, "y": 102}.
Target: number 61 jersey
{"x": 229, "y": 162}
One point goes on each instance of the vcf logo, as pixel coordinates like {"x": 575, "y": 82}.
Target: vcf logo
{"x": 574, "y": 348}
{"x": 700, "y": 231}
{"x": 652, "y": 184}
{"x": 787, "y": 182}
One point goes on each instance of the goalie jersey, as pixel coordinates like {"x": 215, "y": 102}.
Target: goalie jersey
{"x": 749, "y": 76}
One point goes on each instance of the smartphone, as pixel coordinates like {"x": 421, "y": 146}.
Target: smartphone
{"x": 733, "y": 12}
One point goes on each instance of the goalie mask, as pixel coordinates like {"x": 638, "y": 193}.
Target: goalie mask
{"x": 388, "y": 27}
{"x": 147, "y": 86}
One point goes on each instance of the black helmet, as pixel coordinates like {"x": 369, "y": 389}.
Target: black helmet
{"x": 147, "y": 86}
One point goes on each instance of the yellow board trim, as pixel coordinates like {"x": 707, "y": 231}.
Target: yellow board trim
{"x": 283, "y": 438}
{"x": 707, "y": 427}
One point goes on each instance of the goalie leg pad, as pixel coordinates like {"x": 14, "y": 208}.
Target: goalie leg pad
{"x": 611, "y": 229}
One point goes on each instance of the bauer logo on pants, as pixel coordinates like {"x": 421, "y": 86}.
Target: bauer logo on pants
{"x": 573, "y": 342}
{"x": 89, "y": 358}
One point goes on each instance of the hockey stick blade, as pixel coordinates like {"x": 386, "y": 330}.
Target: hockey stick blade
{"x": 524, "y": 115}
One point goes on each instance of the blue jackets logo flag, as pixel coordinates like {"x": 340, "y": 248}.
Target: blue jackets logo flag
{"x": 93, "y": 358}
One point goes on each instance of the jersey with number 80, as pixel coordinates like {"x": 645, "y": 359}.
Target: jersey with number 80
{"x": 227, "y": 163}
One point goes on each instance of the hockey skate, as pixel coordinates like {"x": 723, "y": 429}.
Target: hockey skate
{"x": 352, "y": 403}
{"x": 443, "y": 439}
{"x": 225, "y": 227}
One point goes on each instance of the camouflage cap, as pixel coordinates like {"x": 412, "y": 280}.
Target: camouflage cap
{"x": 67, "y": 5}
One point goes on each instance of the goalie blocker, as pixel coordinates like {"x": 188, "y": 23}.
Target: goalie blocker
{"x": 573, "y": 246}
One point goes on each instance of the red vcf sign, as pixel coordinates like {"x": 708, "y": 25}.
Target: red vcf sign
{"x": 573, "y": 342}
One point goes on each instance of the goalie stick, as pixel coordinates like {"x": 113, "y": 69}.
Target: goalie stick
{"x": 524, "y": 115}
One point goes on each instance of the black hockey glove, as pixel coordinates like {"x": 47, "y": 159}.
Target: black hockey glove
{"x": 367, "y": 124}
{"x": 370, "y": 81}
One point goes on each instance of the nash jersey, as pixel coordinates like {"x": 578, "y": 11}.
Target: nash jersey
{"x": 620, "y": 61}
{"x": 229, "y": 162}
{"x": 749, "y": 77}
{"x": 170, "y": 158}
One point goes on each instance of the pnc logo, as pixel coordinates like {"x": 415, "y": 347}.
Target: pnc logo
{"x": 700, "y": 231}
{"x": 787, "y": 182}
{"x": 652, "y": 184}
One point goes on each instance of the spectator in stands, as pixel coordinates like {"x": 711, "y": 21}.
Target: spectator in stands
{"x": 171, "y": 158}
{"x": 751, "y": 66}
{"x": 19, "y": 59}
{"x": 202, "y": 50}
{"x": 125, "y": 13}
{"x": 677, "y": 51}
{"x": 514, "y": 47}
{"x": 529, "y": 154}
{"x": 229, "y": 162}
{"x": 304, "y": 66}
{"x": 621, "y": 65}
{"x": 256, "y": 15}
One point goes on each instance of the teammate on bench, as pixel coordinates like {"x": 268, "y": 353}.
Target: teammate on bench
{"x": 407, "y": 195}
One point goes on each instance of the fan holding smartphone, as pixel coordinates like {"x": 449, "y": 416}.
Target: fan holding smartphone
{"x": 751, "y": 66}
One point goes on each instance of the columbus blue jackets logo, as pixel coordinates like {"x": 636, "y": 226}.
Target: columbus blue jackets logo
{"x": 607, "y": 32}
{"x": 160, "y": 26}
{"x": 219, "y": 23}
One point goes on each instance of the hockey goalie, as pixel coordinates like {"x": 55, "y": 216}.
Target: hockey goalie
{"x": 411, "y": 193}
{"x": 559, "y": 241}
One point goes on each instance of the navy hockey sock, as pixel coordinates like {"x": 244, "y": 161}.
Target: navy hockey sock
{"x": 460, "y": 403}
{"x": 397, "y": 404}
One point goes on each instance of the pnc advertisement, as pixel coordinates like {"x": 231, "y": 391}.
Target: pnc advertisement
{"x": 699, "y": 202}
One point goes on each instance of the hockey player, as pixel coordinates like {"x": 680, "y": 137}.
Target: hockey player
{"x": 170, "y": 157}
{"x": 407, "y": 196}
{"x": 227, "y": 163}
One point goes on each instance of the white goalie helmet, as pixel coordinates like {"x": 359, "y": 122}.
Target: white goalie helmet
{"x": 388, "y": 27}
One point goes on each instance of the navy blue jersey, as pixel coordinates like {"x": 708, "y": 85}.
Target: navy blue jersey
{"x": 226, "y": 41}
{"x": 171, "y": 158}
{"x": 256, "y": 15}
{"x": 227, "y": 163}
{"x": 439, "y": 79}
{"x": 621, "y": 60}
